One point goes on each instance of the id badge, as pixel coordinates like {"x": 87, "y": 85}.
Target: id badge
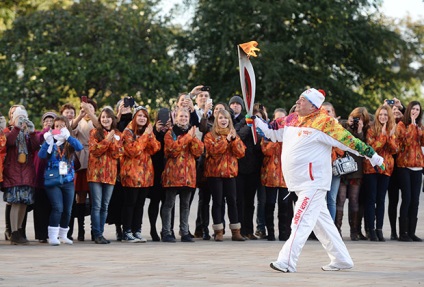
{"x": 63, "y": 168}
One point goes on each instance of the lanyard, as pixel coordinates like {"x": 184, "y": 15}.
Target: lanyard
{"x": 61, "y": 152}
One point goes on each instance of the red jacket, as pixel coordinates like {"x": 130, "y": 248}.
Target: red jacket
{"x": 15, "y": 173}
{"x": 271, "y": 173}
{"x": 180, "y": 167}
{"x": 409, "y": 140}
{"x": 222, "y": 156}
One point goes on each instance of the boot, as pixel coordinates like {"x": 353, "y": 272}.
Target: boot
{"x": 63, "y": 236}
{"x": 81, "y": 217}
{"x": 119, "y": 233}
{"x": 235, "y": 231}
{"x": 17, "y": 239}
{"x": 403, "y": 230}
{"x": 269, "y": 221}
{"x": 372, "y": 235}
{"x": 22, "y": 230}
{"x": 206, "y": 235}
{"x": 53, "y": 235}
{"x": 218, "y": 231}
{"x": 353, "y": 222}
{"x": 412, "y": 228}
{"x": 8, "y": 230}
{"x": 198, "y": 233}
{"x": 339, "y": 220}
{"x": 380, "y": 236}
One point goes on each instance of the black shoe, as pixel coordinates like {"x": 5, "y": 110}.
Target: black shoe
{"x": 154, "y": 235}
{"x": 169, "y": 238}
{"x": 187, "y": 238}
{"x": 393, "y": 236}
{"x": 206, "y": 235}
{"x": 101, "y": 240}
{"x": 405, "y": 238}
{"x": 380, "y": 236}
{"x": 7, "y": 235}
{"x": 270, "y": 237}
{"x": 361, "y": 236}
{"x": 415, "y": 238}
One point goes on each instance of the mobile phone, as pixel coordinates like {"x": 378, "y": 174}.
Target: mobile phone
{"x": 187, "y": 97}
{"x": 56, "y": 132}
{"x": 129, "y": 102}
{"x": 390, "y": 102}
{"x": 205, "y": 88}
{"x": 209, "y": 101}
{"x": 84, "y": 99}
{"x": 163, "y": 115}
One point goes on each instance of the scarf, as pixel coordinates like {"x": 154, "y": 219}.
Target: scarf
{"x": 180, "y": 129}
{"x": 222, "y": 131}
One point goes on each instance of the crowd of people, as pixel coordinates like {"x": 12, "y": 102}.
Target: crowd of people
{"x": 106, "y": 164}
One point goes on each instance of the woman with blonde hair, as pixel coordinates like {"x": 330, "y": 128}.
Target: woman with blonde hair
{"x": 223, "y": 148}
{"x": 381, "y": 137}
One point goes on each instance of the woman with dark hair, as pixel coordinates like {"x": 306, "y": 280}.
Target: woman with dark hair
{"x": 410, "y": 162}
{"x": 59, "y": 149}
{"x": 137, "y": 175}
{"x": 381, "y": 137}
{"x": 350, "y": 184}
{"x": 104, "y": 147}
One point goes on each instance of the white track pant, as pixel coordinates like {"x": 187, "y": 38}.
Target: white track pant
{"x": 311, "y": 213}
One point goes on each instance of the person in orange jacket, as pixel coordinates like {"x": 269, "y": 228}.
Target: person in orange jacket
{"x": 179, "y": 176}
{"x": 137, "y": 174}
{"x": 381, "y": 137}
{"x": 223, "y": 148}
{"x": 410, "y": 162}
{"x": 104, "y": 147}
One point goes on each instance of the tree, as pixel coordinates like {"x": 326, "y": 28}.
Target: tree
{"x": 103, "y": 50}
{"x": 336, "y": 45}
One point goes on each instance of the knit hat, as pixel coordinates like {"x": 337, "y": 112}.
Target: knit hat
{"x": 236, "y": 99}
{"x": 48, "y": 115}
{"x": 19, "y": 112}
{"x": 316, "y": 97}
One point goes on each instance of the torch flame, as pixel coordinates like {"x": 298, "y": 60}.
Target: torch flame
{"x": 250, "y": 48}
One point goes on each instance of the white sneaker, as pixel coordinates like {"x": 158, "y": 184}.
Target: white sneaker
{"x": 330, "y": 267}
{"x": 139, "y": 237}
{"x": 277, "y": 266}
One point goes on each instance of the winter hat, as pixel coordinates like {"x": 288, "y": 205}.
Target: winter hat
{"x": 316, "y": 97}
{"x": 48, "y": 115}
{"x": 19, "y": 112}
{"x": 236, "y": 99}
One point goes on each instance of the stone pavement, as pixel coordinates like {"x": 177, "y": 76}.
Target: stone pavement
{"x": 204, "y": 263}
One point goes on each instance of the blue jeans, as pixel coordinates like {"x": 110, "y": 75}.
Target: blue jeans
{"x": 376, "y": 186}
{"x": 171, "y": 194}
{"x": 100, "y": 196}
{"x": 61, "y": 198}
{"x": 260, "y": 211}
{"x": 332, "y": 196}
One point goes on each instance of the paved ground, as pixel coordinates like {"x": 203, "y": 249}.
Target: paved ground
{"x": 204, "y": 263}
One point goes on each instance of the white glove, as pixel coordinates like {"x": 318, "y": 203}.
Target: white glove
{"x": 376, "y": 160}
{"x": 49, "y": 137}
{"x": 30, "y": 125}
{"x": 64, "y": 132}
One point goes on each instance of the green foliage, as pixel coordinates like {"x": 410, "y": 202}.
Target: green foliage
{"x": 333, "y": 45}
{"x": 96, "y": 48}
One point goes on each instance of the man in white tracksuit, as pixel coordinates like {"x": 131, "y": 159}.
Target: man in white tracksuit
{"x": 308, "y": 136}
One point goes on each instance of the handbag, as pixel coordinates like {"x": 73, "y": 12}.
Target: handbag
{"x": 344, "y": 165}
{"x": 52, "y": 177}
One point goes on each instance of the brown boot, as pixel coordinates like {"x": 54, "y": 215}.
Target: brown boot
{"x": 235, "y": 230}
{"x": 219, "y": 231}
{"x": 353, "y": 222}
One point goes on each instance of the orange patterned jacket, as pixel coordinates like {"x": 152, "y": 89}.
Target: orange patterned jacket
{"x": 386, "y": 146}
{"x": 222, "y": 156}
{"x": 409, "y": 140}
{"x": 103, "y": 159}
{"x": 181, "y": 154}
{"x": 136, "y": 162}
{"x": 2, "y": 153}
{"x": 271, "y": 173}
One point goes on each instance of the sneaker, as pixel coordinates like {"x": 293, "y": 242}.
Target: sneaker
{"x": 101, "y": 240}
{"x": 139, "y": 237}
{"x": 330, "y": 267}
{"x": 277, "y": 266}
{"x": 169, "y": 238}
{"x": 260, "y": 234}
{"x": 187, "y": 238}
{"x": 128, "y": 237}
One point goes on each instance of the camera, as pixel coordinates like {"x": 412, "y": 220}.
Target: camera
{"x": 129, "y": 102}
{"x": 354, "y": 126}
{"x": 205, "y": 89}
{"x": 390, "y": 102}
